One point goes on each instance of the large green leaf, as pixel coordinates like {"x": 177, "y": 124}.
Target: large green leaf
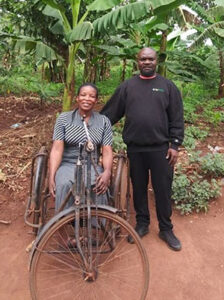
{"x": 219, "y": 2}
{"x": 100, "y": 5}
{"x": 219, "y": 32}
{"x": 57, "y": 28}
{"x": 216, "y": 12}
{"x": 54, "y": 4}
{"x": 52, "y": 12}
{"x": 44, "y": 52}
{"x": 24, "y": 45}
{"x": 124, "y": 42}
{"x": 165, "y": 8}
{"x": 111, "y": 50}
{"x": 81, "y": 32}
{"x": 159, "y": 27}
{"x": 159, "y": 3}
{"x": 209, "y": 32}
{"x": 122, "y": 15}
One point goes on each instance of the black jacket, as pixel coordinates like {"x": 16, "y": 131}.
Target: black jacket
{"x": 153, "y": 113}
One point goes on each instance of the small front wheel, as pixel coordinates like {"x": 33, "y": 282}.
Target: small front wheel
{"x": 108, "y": 267}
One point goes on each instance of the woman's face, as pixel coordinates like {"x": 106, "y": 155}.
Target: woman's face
{"x": 86, "y": 99}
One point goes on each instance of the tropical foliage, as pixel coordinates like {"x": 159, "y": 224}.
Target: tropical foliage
{"x": 49, "y": 47}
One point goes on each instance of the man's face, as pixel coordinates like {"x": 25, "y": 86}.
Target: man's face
{"x": 147, "y": 62}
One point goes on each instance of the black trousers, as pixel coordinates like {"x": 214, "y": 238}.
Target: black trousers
{"x": 161, "y": 177}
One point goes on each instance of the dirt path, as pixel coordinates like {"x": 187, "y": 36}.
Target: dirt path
{"x": 195, "y": 273}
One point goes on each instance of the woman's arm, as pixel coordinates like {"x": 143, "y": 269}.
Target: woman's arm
{"x": 55, "y": 160}
{"x": 103, "y": 179}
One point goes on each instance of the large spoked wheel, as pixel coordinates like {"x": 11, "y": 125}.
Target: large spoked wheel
{"x": 38, "y": 185}
{"x": 115, "y": 269}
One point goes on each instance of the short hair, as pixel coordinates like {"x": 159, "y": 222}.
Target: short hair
{"x": 89, "y": 84}
{"x": 150, "y": 48}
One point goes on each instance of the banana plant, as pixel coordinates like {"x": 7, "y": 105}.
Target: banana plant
{"x": 81, "y": 30}
{"x": 73, "y": 24}
{"x": 213, "y": 29}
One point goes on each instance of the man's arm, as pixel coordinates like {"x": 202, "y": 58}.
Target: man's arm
{"x": 114, "y": 109}
{"x": 175, "y": 117}
{"x": 176, "y": 124}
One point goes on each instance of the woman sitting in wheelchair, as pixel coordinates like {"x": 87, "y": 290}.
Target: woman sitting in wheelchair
{"x": 75, "y": 128}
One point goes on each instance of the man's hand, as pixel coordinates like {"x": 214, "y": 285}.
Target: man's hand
{"x": 102, "y": 182}
{"x": 52, "y": 187}
{"x": 172, "y": 156}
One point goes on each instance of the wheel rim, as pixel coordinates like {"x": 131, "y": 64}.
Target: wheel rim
{"x": 119, "y": 270}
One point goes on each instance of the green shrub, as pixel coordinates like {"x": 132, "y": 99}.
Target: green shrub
{"x": 213, "y": 111}
{"x": 118, "y": 143}
{"x": 28, "y": 83}
{"x": 196, "y": 132}
{"x": 193, "y": 133}
{"x": 213, "y": 164}
{"x": 190, "y": 115}
{"x": 193, "y": 192}
{"x": 189, "y": 142}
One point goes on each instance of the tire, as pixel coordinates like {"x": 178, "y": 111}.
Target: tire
{"x": 120, "y": 270}
{"x": 40, "y": 169}
{"x": 121, "y": 187}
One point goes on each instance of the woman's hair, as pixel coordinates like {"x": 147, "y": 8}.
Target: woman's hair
{"x": 89, "y": 84}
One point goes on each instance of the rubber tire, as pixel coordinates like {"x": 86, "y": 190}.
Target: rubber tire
{"x": 50, "y": 267}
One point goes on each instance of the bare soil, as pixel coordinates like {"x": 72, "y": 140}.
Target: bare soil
{"x": 195, "y": 273}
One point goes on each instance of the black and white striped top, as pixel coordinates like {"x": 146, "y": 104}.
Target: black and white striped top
{"x": 69, "y": 128}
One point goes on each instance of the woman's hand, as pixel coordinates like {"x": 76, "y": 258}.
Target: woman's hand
{"x": 52, "y": 187}
{"x": 102, "y": 182}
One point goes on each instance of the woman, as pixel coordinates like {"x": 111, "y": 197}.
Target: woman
{"x": 69, "y": 133}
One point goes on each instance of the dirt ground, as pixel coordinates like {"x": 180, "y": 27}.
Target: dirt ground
{"x": 195, "y": 273}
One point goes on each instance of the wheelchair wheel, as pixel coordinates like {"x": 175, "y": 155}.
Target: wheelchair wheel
{"x": 119, "y": 270}
{"x": 38, "y": 185}
{"x": 121, "y": 187}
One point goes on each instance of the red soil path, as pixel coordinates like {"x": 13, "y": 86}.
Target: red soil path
{"x": 195, "y": 273}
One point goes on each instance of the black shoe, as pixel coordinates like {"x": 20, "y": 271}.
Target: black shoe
{"x": 141, "y": 231}
{"x": 171, "y": 240}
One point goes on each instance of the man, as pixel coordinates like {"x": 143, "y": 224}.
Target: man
{"x": 153, "y": 130}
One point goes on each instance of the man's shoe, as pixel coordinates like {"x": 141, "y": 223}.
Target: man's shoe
{"x": 141, "y": 231}
{"x": 171, "y": 240}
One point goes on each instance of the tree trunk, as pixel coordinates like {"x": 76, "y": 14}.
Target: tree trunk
{"x": 43, "y": 71}
{"x": 134, "y": 67}
{"x": 103, "y": 68}
{"x": 70, "y": 80}
{"x": 90, "y": 68}
{"x": 162, "y": 54}
{"x": 221, "y": 66}
{"x": 51, "y": 75}
{"x": 86, "y": 65}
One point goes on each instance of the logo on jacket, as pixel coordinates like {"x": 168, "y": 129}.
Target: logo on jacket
{"x": 158, "y": 90}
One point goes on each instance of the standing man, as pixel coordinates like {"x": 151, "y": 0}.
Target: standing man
{"x": 153, "y": 130}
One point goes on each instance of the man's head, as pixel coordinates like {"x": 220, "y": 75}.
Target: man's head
{"x": 147, "y": 61}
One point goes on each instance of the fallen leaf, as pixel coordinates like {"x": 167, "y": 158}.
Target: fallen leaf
{"x": 2, "y": 176}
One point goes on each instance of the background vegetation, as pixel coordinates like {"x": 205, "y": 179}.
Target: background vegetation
{"x": 49, "y": 47}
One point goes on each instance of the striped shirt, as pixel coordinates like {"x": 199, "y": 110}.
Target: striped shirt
{"x": 69, "y": 128}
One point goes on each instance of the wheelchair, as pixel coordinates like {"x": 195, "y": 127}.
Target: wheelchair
{"x": 82, "y": 252}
